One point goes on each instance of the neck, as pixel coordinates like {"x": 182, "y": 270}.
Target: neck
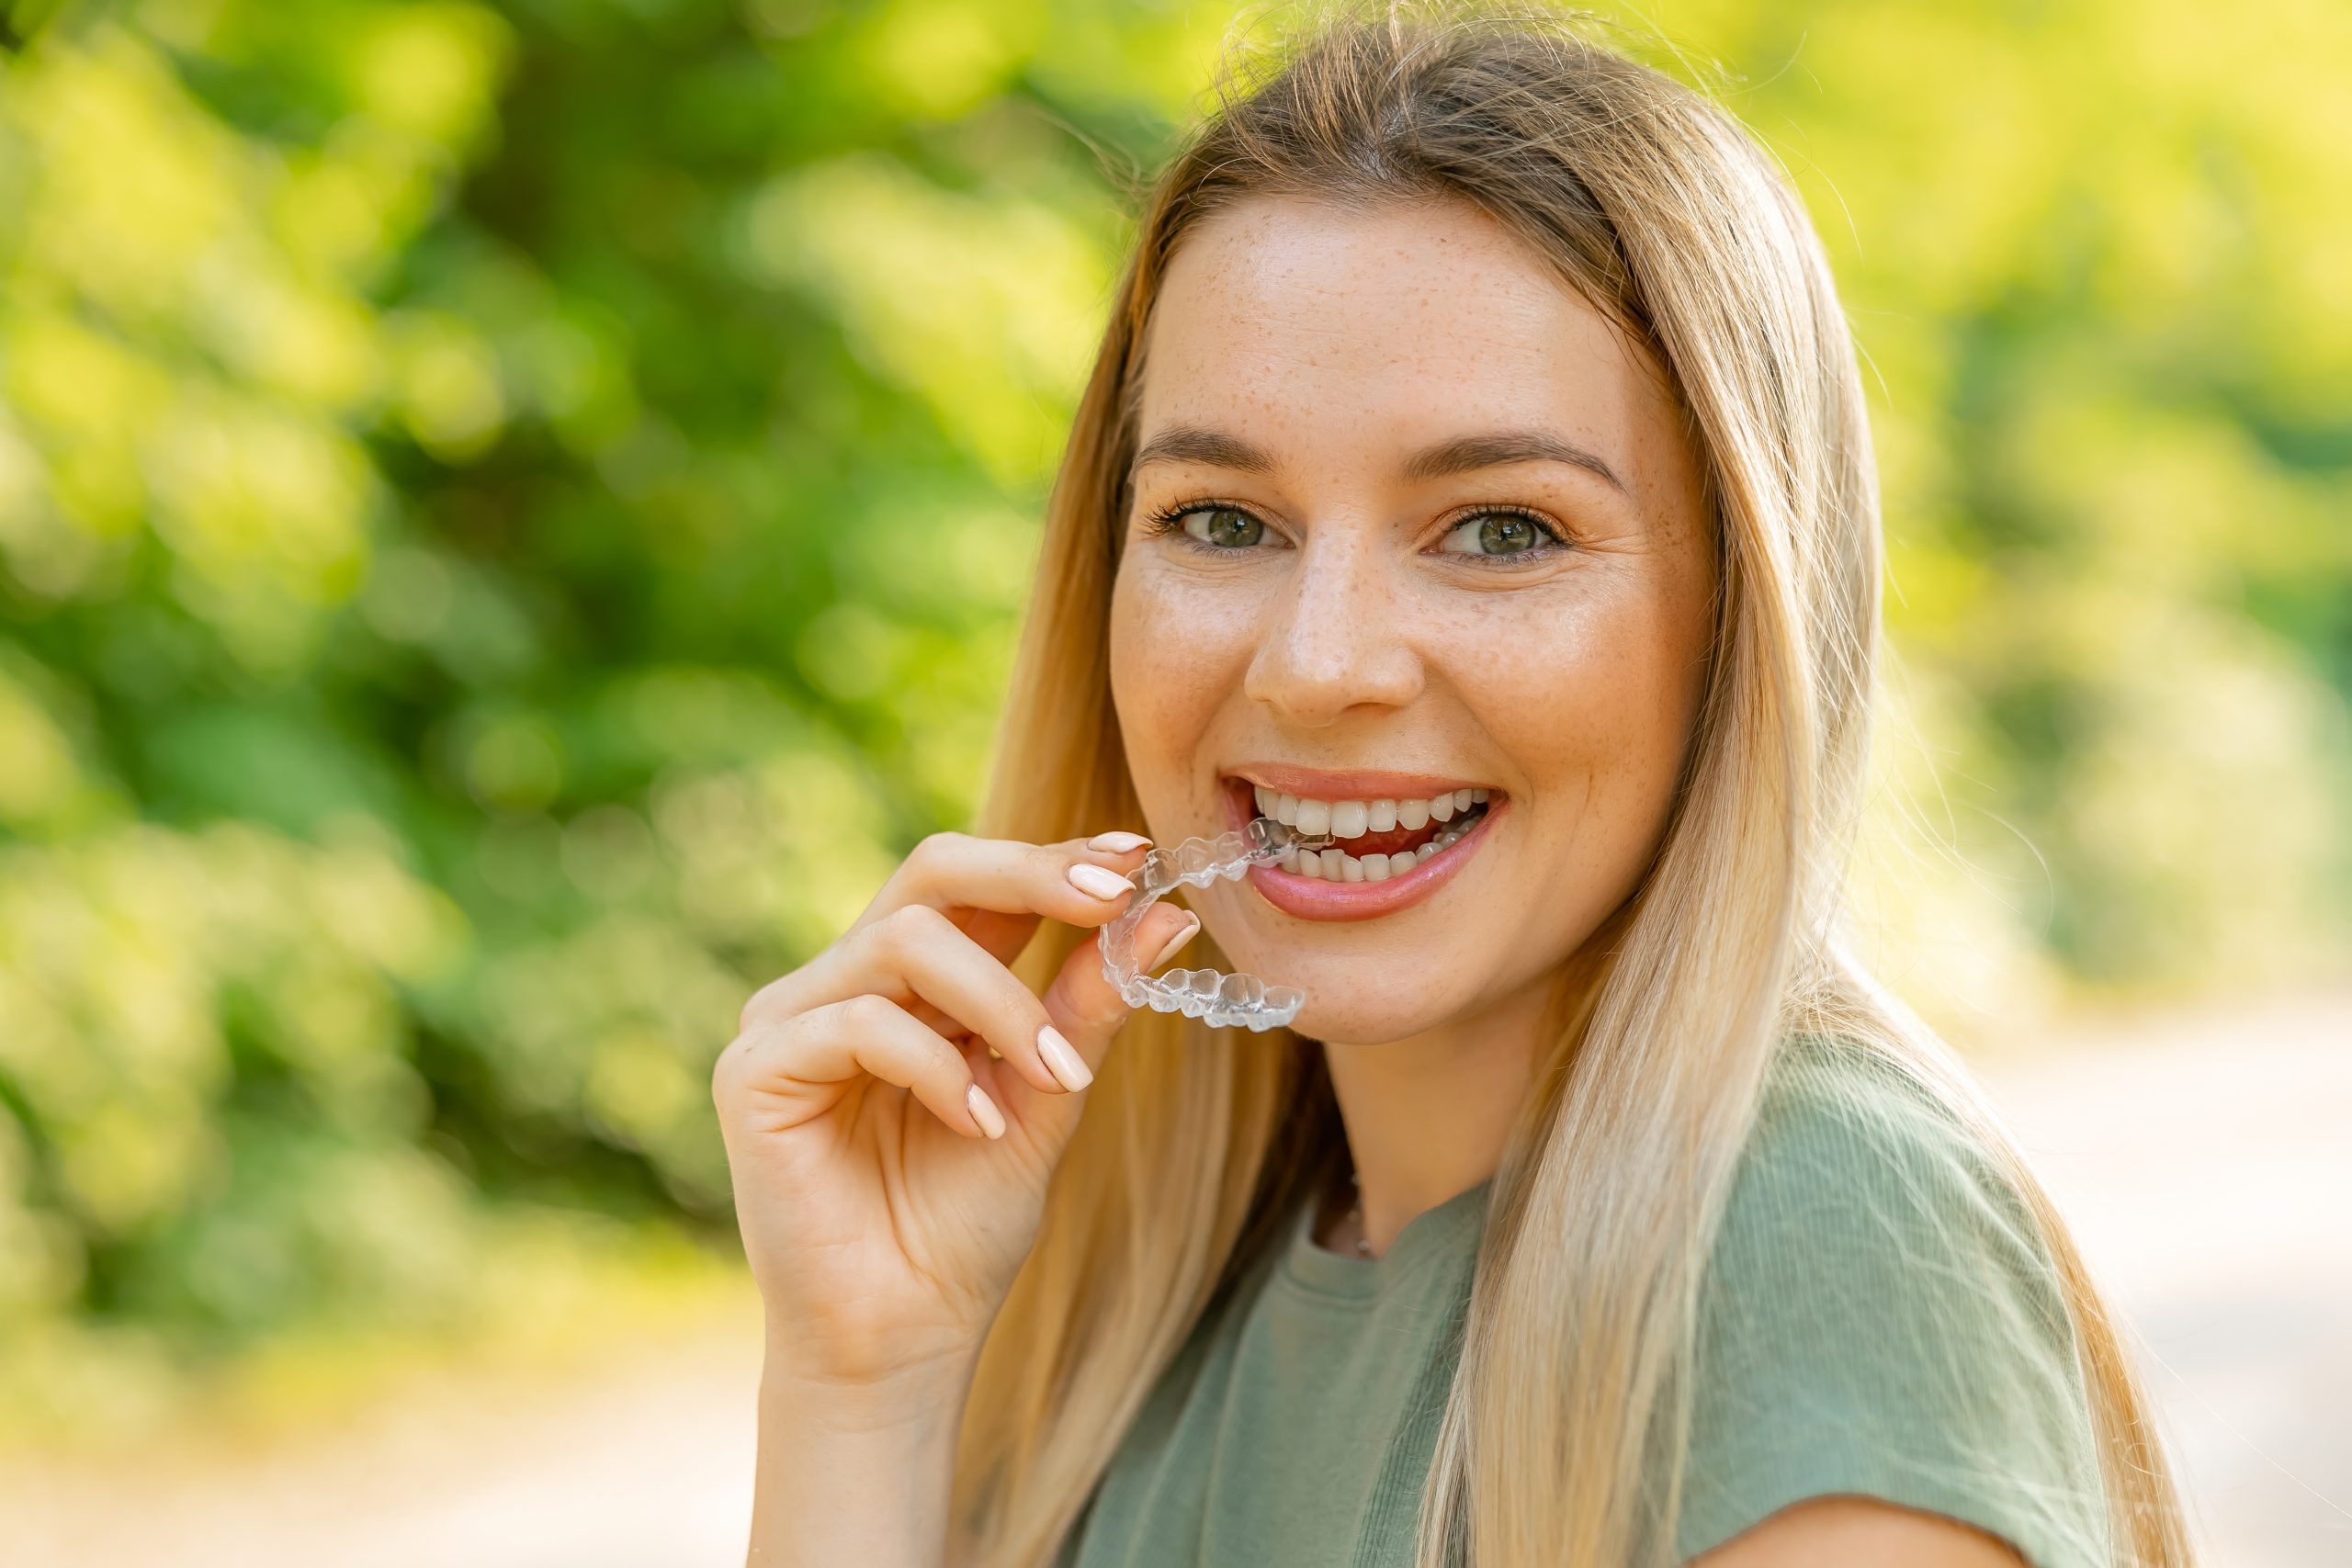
{"x": 1428, "y": 1115}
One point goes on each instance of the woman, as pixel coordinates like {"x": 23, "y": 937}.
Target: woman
{"x": 1476, "y": 441}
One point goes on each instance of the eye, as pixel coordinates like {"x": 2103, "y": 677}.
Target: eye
{"x": 1500, "y": 534}
{"x": 1209, "y": 526}
{"x": 1225, "y": 527}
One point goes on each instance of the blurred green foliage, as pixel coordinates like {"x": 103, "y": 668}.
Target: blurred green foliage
{"x": 511, "y": 520}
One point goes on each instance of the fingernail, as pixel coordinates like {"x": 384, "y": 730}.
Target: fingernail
{"x": 1098, "y": 881}
{"x": 1118, "y": 843}
{"x": 984, "y": 1110}
{"x": 1061, "y": 1060}
{"x": 1191, "y": 925}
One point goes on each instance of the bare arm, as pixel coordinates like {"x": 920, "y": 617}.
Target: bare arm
{"x": 1858, "y": 1532}
{"x": 893, "y": 1111}
{"x": 854, "y": 1475}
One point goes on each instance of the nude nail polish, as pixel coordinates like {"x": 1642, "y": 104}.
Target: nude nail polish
{"x": 984, "y": 1110}
{"x": 1098, "y": 881}
{"x": 1062, "y": 1059}
{"x": 1185, "y": 933}
{"x": 1118, "y": 843}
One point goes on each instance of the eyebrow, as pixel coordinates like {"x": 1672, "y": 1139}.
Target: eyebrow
{"x": 1462, "y": 454}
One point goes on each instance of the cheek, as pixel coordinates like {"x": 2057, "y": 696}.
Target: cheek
{"x": 1175, "y": 659}
{"x": 1596, "y": 711}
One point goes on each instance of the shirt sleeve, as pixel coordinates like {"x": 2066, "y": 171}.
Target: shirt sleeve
{"x": 1880, "y": 1316}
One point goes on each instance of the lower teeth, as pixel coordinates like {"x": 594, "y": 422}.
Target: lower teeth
{"x": 1336, "y": 866}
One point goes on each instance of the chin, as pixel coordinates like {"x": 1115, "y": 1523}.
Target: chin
{"x": 1338, "y": 1010}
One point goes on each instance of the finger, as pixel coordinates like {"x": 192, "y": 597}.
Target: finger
{"x": 1082, "y": 1002}
{"x": 800, "y": 1062}
{"x": 919, "y": 954}
{"x": 995, "y": 888}
{"x": 1070, "y": 881}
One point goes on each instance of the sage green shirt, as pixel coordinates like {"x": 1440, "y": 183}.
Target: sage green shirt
{"x": 1878, "y": 1316}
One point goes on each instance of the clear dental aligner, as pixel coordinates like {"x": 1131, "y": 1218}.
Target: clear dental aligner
{"x": 1222, "y": 1001}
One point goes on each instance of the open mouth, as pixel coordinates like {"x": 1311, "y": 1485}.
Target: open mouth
{"x": 1377, "y": 838}
{"x": 1385, "y": 851}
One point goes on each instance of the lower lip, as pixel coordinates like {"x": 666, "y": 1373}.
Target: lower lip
{"x": 1318, "y": 898}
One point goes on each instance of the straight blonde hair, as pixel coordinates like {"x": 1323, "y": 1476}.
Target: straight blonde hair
{"x": 1659, "y": 210}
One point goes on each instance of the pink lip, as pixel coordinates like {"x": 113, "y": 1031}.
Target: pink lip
{"x": 1314, "y": 898}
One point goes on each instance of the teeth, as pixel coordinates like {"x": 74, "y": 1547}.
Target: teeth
{"x": 1353, "y": 818}
{"x": 1346, "y": 820}
{"x": 1337, "y": 865}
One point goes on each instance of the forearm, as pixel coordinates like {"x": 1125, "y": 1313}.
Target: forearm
{"x": 854, "y": 1475}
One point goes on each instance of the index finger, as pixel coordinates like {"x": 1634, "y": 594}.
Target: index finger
{"x": 1081, "y": 882}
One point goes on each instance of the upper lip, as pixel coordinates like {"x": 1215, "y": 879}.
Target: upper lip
{"x": 1348, "y": 784}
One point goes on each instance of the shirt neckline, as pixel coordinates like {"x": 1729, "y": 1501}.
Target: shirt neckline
{"x": 1434, "y": 1233}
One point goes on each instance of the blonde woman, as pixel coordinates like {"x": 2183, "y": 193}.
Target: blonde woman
{"x": 1475, "y": 467}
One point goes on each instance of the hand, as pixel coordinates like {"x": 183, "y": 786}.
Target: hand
{"x": 884, "y": 1207}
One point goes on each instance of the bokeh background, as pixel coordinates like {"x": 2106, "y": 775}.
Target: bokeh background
{"x": 513, "y": 518}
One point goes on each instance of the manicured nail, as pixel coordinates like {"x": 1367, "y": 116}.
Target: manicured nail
{"x": 1118, "y": 843}
{"x": 1097, "y": 880}
{"x": 1061, "y": 1060}
{"x": 984, "y": 1110}
{"x": 1191, "y": 925}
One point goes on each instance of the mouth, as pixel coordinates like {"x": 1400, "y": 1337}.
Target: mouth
{"x": 1397, "y": 838}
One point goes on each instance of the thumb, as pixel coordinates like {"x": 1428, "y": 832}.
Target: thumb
{"x": 1088, "y": 1008}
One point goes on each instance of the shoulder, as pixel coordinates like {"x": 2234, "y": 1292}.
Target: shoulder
{"x": 1854, "y": 1161}
{"x": 1880, "y": 1316}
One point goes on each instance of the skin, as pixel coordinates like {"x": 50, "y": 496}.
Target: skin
{"x": 1853, "y": 1532}
{"x": 883, "y": 1212}
{"x": 1349, "y": 619}
{"x": 1364, "y": 630}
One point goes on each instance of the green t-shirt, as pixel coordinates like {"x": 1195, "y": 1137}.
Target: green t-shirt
{"x": 1877, "y": 1317}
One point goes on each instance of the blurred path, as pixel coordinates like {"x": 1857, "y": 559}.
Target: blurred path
{"x": 2205, "y": 1161}
{"x": 646, "y": 1464}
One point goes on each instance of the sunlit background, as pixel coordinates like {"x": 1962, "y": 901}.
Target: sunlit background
{"x": 512, "y": 519}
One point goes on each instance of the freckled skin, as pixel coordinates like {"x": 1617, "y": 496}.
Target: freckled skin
{"x": 1355, "y": 635}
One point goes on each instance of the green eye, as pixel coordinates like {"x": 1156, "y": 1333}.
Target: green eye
{"x": 1497, "y": 533}
{"x": 1223, "y": 527}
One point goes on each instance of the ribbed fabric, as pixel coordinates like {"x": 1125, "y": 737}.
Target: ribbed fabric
{"x": 1878, "y": 1317}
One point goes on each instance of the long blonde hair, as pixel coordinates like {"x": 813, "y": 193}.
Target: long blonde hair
{"x": 1659, "y": 210}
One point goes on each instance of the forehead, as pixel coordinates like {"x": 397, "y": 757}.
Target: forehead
{"x": 1306, "y": 321}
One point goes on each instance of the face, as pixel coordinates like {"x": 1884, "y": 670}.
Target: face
{"x": 1409, "y": 519}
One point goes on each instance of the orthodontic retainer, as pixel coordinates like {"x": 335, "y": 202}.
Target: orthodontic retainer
{"x": 1222, "y": 1001}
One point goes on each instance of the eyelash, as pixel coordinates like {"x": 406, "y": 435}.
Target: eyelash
{"x": 1169, "y": 521}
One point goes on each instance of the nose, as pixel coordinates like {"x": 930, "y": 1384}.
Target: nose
{"x": 1334, "y": 642}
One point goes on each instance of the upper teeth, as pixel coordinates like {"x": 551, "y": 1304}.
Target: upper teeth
{"x": 1354, "y": 818}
